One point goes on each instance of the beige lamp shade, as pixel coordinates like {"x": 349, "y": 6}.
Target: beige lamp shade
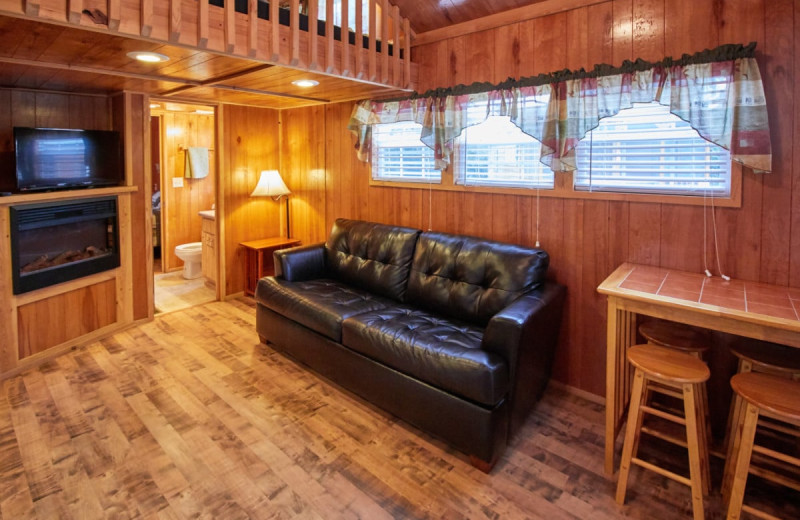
{"x": 270, "y": 184}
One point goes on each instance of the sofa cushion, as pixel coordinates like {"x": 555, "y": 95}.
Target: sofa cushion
{"x": 441, "y": 352}
{"x": 320, "y": 304}
{"x": 471, "y": 278}
{"x": 371, "y": 256}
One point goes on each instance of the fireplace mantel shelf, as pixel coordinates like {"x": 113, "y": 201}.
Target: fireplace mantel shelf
{"x": 65, "y": 195}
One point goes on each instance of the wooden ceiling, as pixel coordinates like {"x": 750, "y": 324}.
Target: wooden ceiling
{"x": 44, "y": 56}
{"x": 428, "y": 15}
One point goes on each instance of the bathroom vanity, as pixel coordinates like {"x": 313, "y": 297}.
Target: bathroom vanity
{"x": 209, "y": 240}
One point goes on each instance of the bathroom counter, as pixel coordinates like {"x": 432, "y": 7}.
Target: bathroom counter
{"x": 209, "y": 214}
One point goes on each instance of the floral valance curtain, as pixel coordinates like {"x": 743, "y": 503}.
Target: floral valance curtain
{"x": 719, "y": 92}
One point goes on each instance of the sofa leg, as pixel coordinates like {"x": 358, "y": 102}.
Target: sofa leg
{"x": 481, "y": 464}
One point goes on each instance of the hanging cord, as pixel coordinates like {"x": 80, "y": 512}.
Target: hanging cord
{"x": 705, "y": 235}
{"x": 430, "y": 205}
{"x": 716, "y": 242}
{"x": 537, "y": 217}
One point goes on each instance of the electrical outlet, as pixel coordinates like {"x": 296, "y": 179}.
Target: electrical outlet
{"x": 177, "y": 182}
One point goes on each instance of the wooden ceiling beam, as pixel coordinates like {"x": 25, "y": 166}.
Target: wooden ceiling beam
{"x": 98, "y": 70}
{"x": 519, "y": 14}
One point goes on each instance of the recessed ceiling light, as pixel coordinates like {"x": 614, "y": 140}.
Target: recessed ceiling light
{"x": 305, "y": 83}
{"x": 148, "y": 57}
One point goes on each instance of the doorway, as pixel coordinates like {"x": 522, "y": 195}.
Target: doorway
{"x": 183, "y": 178}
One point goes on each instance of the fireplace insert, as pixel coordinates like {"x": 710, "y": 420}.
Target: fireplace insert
{"x": 56, "y": 242}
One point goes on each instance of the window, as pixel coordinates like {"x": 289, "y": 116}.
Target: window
{"x": 398, "y": 154}
{"x": 322, "y": 13}
{"x": 498, "y": 154}
{"x": 646, "y": 149}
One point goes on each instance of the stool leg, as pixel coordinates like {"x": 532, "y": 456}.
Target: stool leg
{"x": 705, "y": 441}
{"x": 734, "y": 439}
{"x": 693, "y": 437}
{"x": 742, "y": 460}
{"x": 632, "y": 432}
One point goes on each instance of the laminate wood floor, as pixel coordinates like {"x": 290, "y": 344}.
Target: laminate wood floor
{"x": 189, "y": 416}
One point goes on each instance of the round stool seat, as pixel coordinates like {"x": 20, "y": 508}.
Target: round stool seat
{"x": 769, "y": 356}
{"x": 668, "y": 364}
{"x": 777, "y": 395}
{"x": 675, "y": 335}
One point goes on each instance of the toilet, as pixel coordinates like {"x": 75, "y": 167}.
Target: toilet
{"x": 191, "y": 254}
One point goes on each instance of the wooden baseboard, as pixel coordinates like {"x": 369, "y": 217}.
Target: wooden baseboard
{"x": 583, "y": 394}
{"x": 58, "y": 350}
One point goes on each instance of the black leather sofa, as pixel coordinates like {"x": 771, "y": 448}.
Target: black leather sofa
{"x": 454, "y": 334}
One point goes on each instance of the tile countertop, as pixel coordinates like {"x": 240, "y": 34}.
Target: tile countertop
{"x": 208, "y": 213}
{"x": 769, "y": 300}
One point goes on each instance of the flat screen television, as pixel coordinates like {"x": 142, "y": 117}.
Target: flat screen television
{"x": 56, "y": 159}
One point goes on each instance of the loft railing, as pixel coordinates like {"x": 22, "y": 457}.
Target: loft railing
{"x": 371, "y": 43}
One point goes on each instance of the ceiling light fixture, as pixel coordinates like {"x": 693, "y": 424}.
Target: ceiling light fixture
{"x": 305, "y": 83}
{"x": 204, "y": 112}
{"x": 155, "y": 105}
{"x": 148, "y": 57}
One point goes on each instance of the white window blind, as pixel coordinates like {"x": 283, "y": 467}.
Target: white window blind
{"x": 646, "y": 149}
{"x": 398, "y": 154}
{"x": 496, "y": 153}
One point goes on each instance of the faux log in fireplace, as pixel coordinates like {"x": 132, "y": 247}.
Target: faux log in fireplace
{"x": 53, "y": 243}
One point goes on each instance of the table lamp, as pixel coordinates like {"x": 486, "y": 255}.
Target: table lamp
{"x": 270, "y": 184}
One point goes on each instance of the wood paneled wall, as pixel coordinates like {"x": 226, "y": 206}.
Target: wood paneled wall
{"x": 250, "y": 143}
{"x": 303, "y": 170}
{"x": 131, "y": 118}
{"x": 181, "y": 223}
{"x": 586, "y": 239}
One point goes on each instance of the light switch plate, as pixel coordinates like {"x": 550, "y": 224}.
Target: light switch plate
{"x": 177, "y": 182}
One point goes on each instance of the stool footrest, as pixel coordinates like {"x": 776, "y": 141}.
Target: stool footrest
{"x": 661, "y": 471}
{"x": 665, "y": 390}
{"x": 757, "y": 512}
{"x": 776, "y": 455}
{"x": 664, "y": 436}
{"x": 773, "y": 476}
{"x": 664, "y": 415}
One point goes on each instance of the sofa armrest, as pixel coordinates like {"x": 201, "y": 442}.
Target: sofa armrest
{"x": 525, "y": 334}
{"x": 300, "y": 263}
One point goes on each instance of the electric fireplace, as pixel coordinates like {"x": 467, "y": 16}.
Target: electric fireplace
{"x": 56, "y": 242}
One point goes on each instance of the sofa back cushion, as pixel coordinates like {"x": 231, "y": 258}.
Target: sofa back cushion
{"x": 371, "y": 256}
{"x": 470, "y": 278}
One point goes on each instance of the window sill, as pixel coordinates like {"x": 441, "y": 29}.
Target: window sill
{"x": 563, "y": 190}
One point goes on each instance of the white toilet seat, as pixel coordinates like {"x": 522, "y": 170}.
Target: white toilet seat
{"x": 191, "y": 254}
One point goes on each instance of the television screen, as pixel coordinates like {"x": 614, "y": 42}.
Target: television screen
{"x": 50, "y": 158}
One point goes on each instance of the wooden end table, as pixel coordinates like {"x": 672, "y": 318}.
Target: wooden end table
{"x": 258, "y": 259}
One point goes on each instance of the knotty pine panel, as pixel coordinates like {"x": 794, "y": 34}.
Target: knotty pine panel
{"x": 53, "y": 321}
{"x": 130, "y": 111}
{"x": 303, "y": 170}
{"x": 251, "y": 143}
{"x": 587, "y": 240}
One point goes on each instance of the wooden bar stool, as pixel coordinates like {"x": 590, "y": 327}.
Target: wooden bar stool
{"x": 758, "y": 395}
{"x": 686, "y": 375}
{"x": 770, "y": 358}
{"x": 678, "y": 336}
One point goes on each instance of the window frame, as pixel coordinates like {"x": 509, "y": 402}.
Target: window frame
{"x": 375, "y": 152}
{"x": 564, "y": 189}
{"x": 652, "y": 128}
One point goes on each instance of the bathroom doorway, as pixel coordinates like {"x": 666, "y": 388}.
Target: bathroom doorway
{"x": 183, "y": 178}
